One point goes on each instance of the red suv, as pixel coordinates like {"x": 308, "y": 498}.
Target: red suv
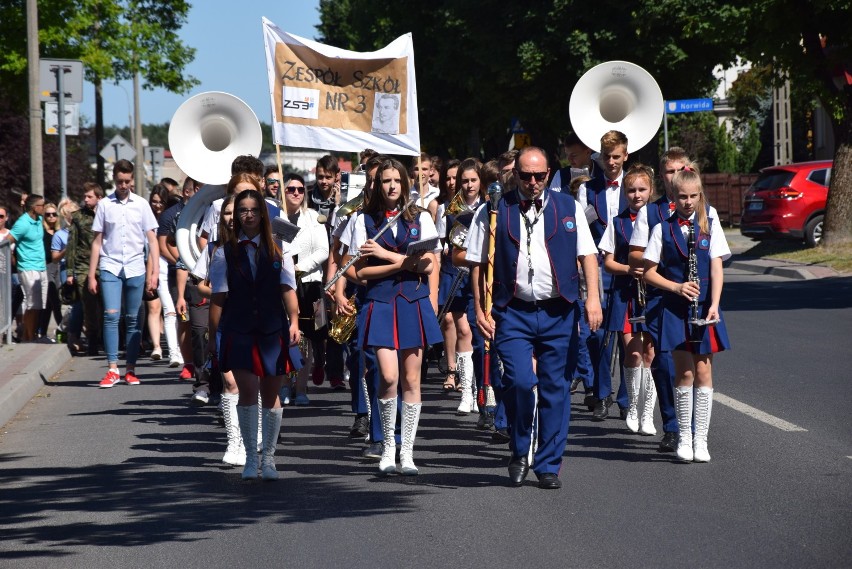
{"x": 788, "y": 201}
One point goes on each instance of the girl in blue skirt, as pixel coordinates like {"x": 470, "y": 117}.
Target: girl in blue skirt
{"x": 401, "y": 303}
{"x": 692, "y": 347}
{"x": 253, "y": 288}
{"x": 624, "y": 302}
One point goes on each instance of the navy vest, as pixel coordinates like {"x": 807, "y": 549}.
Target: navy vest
{"x": 255, "y": 305}
{"x": 411, "y": 286}
{"x": 674, "y": 256}
{"x": 596, "y": 197}
{"x": 560, "y": 238}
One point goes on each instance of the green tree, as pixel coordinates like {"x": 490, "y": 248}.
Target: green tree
{"x": 115, "y": 39}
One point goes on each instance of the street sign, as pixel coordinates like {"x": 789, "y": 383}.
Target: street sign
{"x": 689, "y": 106}
{"x": 72, "y": 118}
{"x": 516, "y": 127}
{"x": 155, "y": 155}
{"x": 522, "y": 140}
{"x": 72, "y": 79}
{"x": 118, "y": 149}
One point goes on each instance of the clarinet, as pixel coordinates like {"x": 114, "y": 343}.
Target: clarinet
{"x": 693, "y": 276}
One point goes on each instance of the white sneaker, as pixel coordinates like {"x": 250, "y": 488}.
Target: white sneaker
{"x": 157, "y": 353}
{"x": 175, "y": 361}
{"x": 200, "y": 397}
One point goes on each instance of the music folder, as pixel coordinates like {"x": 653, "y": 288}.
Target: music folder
{"x": 426, "y": 245}
{"x": 284, "y": 230}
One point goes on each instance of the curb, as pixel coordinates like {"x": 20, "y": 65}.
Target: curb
{"x": 25, "y": 384}
{"x": 783, "y": 269}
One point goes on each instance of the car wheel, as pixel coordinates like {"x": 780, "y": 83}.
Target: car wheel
{"x": 813, "y": 231}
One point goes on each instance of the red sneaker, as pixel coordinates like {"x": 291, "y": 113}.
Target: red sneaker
{"x": 131, "y": 379}
{"x": 188, "y": 371}
{"x": 337, "y": 383}
{"x": 110, "y": 379}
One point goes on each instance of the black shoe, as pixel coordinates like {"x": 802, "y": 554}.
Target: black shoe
{"x": 500, "y": 436}
{"x": 360, "y": 427}
{"x": 373, "y": 451}
{"x": 485, "y": 421}
{"x": 601, "y": 410}
{"x": 669, "y": 443}
{"x": 575, "y": 384}
{"x": 590, "y": 400}
{"x": 549, "y": 481}
{"x": 622, "y": 413}
{"x": 519, "y": 467}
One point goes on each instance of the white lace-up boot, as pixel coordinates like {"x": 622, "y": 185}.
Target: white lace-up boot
{"x": 410, "y": 420}
{"x": 633, "y": 382}
{"x": 271, "y": 419}
{"x": 683, "y": 409}
{"x": 236, "y": 452}
{"x": 703, "y": 408}
{"x": 649, "y": 401}
{"x": 464, "y": 369}
{"x": 248, "y": 417}
{"x": 387, "y": 410}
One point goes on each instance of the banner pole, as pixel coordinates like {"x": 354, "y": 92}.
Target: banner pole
{"x": 280, "y": 196}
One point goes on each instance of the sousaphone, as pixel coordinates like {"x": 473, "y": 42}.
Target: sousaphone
{"x": 207, "y": 132}
{"x": 616, "y": 95}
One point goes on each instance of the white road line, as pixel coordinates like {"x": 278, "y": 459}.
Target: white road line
{"x": 756, "y": 413}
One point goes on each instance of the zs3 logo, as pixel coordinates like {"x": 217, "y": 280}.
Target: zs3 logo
{"x": 303, "y": 105}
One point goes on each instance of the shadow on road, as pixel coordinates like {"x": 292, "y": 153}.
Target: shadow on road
{"x": 827, "y": 293}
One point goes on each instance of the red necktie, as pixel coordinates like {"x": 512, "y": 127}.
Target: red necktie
{"x": 527, "y": 204}
{"x": 632, "y": 216}
{"x": 681, "y": 221}
{"x": 672, "y": 206}
{"x": 247, "y": 242}
{"x": 389, "y": 213}
{"x": 612, "y": 183}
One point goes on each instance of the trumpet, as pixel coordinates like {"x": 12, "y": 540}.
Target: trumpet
{"x": 639, "y": 315}
{"x": 354, "y": 205}
{"x": 456, "y": 205}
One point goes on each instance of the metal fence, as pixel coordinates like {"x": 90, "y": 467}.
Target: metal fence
{"x": 6, "y": 316}
{"x": 725, "y": 192}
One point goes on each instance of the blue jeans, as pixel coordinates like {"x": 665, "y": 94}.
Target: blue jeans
{"x": 112, "y": 287}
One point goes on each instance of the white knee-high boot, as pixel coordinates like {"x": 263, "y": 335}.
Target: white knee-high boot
{"x": 649, "y": 401}
{"x": 464, "y": 370}
{"x": 410, "y": 420}
{"x": 703, "y": 408}
{"x": 236, "y": 452}
{"x": 247, "y": 416}
{"x": 271, "y": 419}
{"x": 259, "y": 424}
{"x": 387, "y": 411}
{"x": 683, "y": 408}
{"x": 633, "y": 382}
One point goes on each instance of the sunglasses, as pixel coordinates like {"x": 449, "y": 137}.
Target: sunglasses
{"x": 270, "y": 181}
{"x": 2, "y": 217}
{"x": 528, "y": 176}
{"x": 50, "y": 214}
{"x": 295, "y": 189}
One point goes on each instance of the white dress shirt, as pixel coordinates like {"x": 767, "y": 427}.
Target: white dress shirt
{"x": 718, "y": 243}
{"x": 124, "y": 226}
{"x": 640, "y": 235}
{"x": 613, "y": 200}
{"x": 539, "y": 285}
{"x": 219, "y": 268}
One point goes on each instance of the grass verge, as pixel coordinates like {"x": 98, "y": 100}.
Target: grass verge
{"x": 837, "y": 257}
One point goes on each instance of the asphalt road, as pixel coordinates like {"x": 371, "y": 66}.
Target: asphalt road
{"x": 129, "y": 477}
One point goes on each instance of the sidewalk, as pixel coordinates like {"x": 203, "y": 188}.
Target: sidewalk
{"x": 24, "y": 369}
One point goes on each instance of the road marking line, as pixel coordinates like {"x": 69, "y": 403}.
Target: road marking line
{"x": 756, "y": 413}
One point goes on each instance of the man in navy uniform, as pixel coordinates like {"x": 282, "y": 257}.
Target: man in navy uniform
{"x": 540, "y": 236}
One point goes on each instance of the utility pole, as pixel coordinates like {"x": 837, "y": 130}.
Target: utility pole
{"x": 36, "y": 159}
{"x": 137, "y": 139}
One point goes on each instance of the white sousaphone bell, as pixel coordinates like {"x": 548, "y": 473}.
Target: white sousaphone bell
{"x": 616, "y": 95}
{"x": 207, "y": 132}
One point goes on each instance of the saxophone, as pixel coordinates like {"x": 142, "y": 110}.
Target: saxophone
{"x": 343, "y": 325}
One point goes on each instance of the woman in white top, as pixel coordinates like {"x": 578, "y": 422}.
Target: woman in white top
{"x": 309, "y": 251}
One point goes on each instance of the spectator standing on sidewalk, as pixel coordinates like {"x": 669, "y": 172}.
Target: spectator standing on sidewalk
{"x": 77, "y": 256}
{"x": 123, "y": 224}
{"x": 28, "y": 235}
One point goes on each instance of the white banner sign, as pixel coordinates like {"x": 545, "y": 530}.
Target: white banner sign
{"x": 334, "y": 99}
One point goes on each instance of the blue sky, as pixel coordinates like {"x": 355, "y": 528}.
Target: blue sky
{"x": 229, "y": 57}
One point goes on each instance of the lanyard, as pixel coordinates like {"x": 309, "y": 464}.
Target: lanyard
{"x": 530, "y": 225}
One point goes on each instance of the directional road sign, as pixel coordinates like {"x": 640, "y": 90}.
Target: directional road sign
{"x": 118, "y": 149}
{"x": 72, "y": 79}
{"x": 72, "y": 118}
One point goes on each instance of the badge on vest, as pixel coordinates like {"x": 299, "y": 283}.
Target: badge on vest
{"x": 569, "y": 224}
{"x": 414, "y": 232}
{"x": 704, "y": 243}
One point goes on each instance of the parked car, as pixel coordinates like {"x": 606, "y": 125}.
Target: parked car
{"x": 788, "y": 201}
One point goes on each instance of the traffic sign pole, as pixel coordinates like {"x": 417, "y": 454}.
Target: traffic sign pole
{"x": 63, "y": 166}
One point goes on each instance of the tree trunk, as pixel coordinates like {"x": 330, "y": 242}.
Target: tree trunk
{"x": 837, "y": 228}
{"x": 99, "y": 131}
